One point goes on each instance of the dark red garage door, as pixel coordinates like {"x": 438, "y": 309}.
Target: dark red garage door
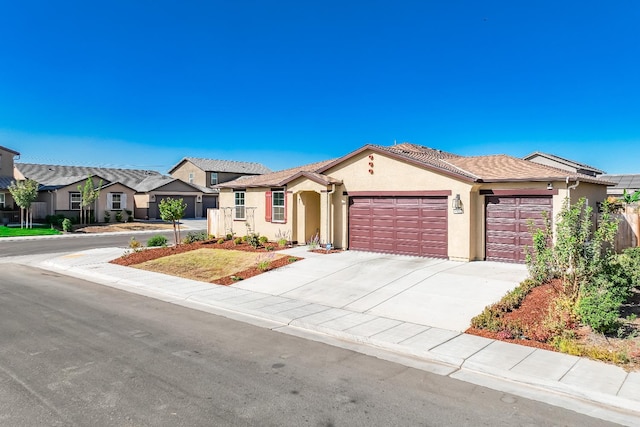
{"x": 507, "y": 229}
{"x": 399, "y": 225}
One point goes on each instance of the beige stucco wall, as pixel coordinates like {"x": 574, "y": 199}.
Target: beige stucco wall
{"x": 102, "y": 201}
{"x": 255, "y": 202}
{"x": 6, "y": 163}
{"x": 183, "y": 171}
{"x": 393, "y": 175}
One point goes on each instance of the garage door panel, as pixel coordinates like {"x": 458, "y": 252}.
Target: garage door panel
{"x": 402, "y": 225}
{"x": 507, "y": 230}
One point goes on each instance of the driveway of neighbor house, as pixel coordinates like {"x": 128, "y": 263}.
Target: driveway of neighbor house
{"x": 440, "y": 293}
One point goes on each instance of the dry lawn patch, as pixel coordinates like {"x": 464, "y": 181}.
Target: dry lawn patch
{"x": 204, "y": 264}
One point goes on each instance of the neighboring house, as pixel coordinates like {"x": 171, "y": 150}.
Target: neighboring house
{"x": 629, "y": 182}
{"x": 139, "y": 191}
{"x": 406, "y": 199}
{"x": 562, "y": 163}
{"x": 6, "y": 177}
{"x": 206, "y": 174}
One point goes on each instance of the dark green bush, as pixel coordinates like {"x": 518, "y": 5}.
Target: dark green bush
{"x": 107, "y": 216}
{"x": 119, "y": 216}
{"x": 253, "y": 240}
{"x": 158, "y": 240}
{"x": 66, "y": 225}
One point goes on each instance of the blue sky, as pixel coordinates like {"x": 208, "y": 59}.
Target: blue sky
{"x": 143, "y": 84}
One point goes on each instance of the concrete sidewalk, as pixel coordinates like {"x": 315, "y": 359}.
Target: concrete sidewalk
{"x": 285, "y": 300}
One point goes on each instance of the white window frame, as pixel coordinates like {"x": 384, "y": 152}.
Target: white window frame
{"x": 239, "y": 200}
{"x": 112, "y": 201}
{"x": 277, "y": 211}
{"x": 214, "y": 178}
{"x": 73, "y": 196}
{"x": 3, "y": 200}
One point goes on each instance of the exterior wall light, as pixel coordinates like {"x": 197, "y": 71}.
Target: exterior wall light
{"x": 456, "y": 204}
{"x": 550, "y": 186}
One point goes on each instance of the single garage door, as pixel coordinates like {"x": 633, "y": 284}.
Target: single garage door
{"x": 189, "y": 212}
{"x": 399, "y": 225}
{"x": 507, "y": 228}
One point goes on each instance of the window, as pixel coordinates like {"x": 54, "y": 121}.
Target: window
{"x": 239, "y": 205}
{"x": 74, "y": 201}
{"x": 278, "y": 206}
{"x": 190, "y": 177}
{"x": 116, "y": 201}
{"x": 2, "y": 201}
{"x": 214, "y": 178}
{"x": 275, "y": 208}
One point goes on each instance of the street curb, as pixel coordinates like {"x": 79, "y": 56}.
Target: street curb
{"x": 620, "y": 409}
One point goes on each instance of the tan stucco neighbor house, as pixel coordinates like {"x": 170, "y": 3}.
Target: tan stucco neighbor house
{"x": 7, "y": 157}
{"x": 135, "y": 190}
{"x": 206, "y": 174}
{"x": 406, "y": 199}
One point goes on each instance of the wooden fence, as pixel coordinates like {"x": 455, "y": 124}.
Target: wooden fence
{"x": 628, "y": 228}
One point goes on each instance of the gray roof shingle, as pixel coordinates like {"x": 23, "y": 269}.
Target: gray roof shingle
{"x": 230, "y": 166}
{"x": 59, "y": 176}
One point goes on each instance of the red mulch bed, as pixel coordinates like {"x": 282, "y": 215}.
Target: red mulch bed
{"x": 530, "y": 314}
{"x": 154, "y": 253}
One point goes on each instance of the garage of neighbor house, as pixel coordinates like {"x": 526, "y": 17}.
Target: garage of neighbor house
{"x": 407, "y": 199}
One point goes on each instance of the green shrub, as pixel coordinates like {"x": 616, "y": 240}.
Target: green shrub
{"x": 119, "y": 216}
{"x": 195, "y": 236}
{"x": 629, "y": 260}
{"x": 158, "y": 240}
{"x": 253, "y": 240}
{"x": 107, "y": 216}
{"x": 229, "y": 236}
{"x": 129, "y": 215}
{"x": 263, "y": 240}
{"x": 220, "y": 241}
{"x": 263, "y": 265}
{"x": 282, "y": 242}
{"x": 67, "y": 225}
{"x": 237, "y": 241}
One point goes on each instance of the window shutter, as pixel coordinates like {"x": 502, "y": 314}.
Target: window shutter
{"x": 109, "y": 201}
{"x": 267, "y": 206}
{"x": 123, "y": 200}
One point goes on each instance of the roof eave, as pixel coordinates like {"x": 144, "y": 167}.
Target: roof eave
{"x": 398, "y": 157}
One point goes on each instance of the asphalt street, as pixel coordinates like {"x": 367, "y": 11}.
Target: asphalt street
{"x": 73, "y": 243}
{"x": 77, "y": 353}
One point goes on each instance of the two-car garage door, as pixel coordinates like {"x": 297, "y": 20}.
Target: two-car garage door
{"x": 399, "y": 225}
{"x": 507, "y": 225}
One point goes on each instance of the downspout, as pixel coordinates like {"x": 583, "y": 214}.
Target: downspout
{"x": 569, "y": 188}
{"x": 329, "y": 193}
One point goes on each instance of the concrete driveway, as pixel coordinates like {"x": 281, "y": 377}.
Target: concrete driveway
{"x": 434, "y": 292}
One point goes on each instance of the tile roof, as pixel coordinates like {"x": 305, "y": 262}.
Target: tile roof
{"x": 231, "y": 166}
{"x": 571, "y": 163}
{"x": 500, "y": 168}
{"x": 496, "y": 168}
{"x": 56, "y": 176}
{"x": 273, "y": 179}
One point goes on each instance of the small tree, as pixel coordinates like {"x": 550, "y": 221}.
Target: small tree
{"x": 173, "y": 210}
{"x": 90, "y": 194}
{"x": 24, "y": 193}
